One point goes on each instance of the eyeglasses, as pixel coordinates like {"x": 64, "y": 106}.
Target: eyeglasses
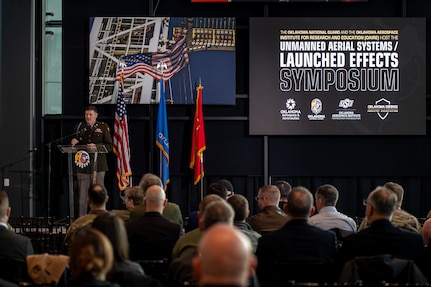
{"x": 259, "y": 197}
{"x": 365, "y": 202}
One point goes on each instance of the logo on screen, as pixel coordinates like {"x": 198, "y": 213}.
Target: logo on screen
{"x": 382, "y": 107}
{"x": 346, "y": 103}
{"x": 290, "y": 104}
{"x": 316, "y": 106}
{"x": 290, "y": 114}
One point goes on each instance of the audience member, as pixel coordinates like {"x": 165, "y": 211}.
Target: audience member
{"x": 326, "y": 197}
{"x": 180, "y": 270}
{"x": 225, "y": 258}
{"x": 171, "y": 211}
{"x": 240, "y": 205}
{"x": 188, "y": 242}
{"x": 270, "y": 217}
{"x": 382, "y": 237}
{"x": 96, "y": 200}
{"x": 285, "y": 188}
{"x": 123, "y": 271}
{"x": 217, "y": 188}
{"x": 297, "y": 239}
{"x": 426, "y": 231}
{"x": 14, "y": 248}
{"x": 133, "y": 196}
{"x": 91, "y": 258}
{"x": 152, "y": 236}
{"x": 400, "y": 217}
{"x": 229, "y": 187}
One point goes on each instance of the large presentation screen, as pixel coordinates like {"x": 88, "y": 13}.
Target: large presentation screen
{"x": 337, "y": 76}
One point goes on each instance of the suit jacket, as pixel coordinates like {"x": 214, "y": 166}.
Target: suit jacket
{"x": 14, "y": 249}
{"x": 171, "y": 211}
{"x": 382, "y": 237}
{"x": 296, "y": 240}
{"x": 151, "y": 236}
{"x": 14, "y": 245}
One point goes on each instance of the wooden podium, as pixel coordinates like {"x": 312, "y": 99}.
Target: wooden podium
{"x": 72, "y": 151}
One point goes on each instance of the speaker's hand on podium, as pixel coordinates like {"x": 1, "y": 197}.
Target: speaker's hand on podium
{"x": 91, "y": 146}
{"x": 74, "y": 141}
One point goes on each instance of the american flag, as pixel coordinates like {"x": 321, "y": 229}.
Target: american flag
{"x": 175, "y": 59}
{"x": 121, "y": 142}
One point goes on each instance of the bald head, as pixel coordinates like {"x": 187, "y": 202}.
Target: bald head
{"x": 225, "y": 257}
{"x": 155, "y": 199}
{"x": 299, "y": 203}
{"x": 380, "y": 204}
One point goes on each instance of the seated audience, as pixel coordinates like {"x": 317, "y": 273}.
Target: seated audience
{"x": 270, "y": 217}
{"x": 326, "y": 197}
{"x": 400, "y": 217}
{"x": 96, "y": 200}
{"x": 382, "y": 237}
{"x": 123, "y": 271}
{"x": 14, "y": 248}
{"x": 240, "y": 205}
{"x": 188, "y": 242}
{"x": 225, "y": 258}
{"x": 297, "y": 239}
{"x": 180, "y": 270}
{"x": 133, "y": 196}
{"x": 171, "y": 211}
{"x": 285, "y": 188}
{"x": 91, "y": 258}
{"x": 222, "y": 188}
{"x": 152, "y": 236}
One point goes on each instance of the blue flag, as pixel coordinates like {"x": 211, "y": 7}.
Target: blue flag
{"x": 162, "y": 138}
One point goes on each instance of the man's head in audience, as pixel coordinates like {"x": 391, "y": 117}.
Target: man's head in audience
{"x": 218, "y": 189}
{"x": 4, "y": 207}
{"x": 225, "y": 257}
{"x": 299, "y": 203}
{"x": 285, "y": 188}
{"x": 228, "y": 186}
{"x": 240, "y": 205}
{"x": 148, "y": 180}
{"x": 134, "y": 196}
{"x": 203, "y": 204}
{"x": 268, "y": 195}
{"x": 217, "y": 211}
{"x": 326, "y": 195}
{"x": 155, "y": 199}
{"x": 97, "y": 197}
{"x": 380, "y": 204}
{"x": 398, "y": 190}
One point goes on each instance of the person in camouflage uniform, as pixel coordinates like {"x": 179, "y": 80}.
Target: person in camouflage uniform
{"x": 400, "y": 217}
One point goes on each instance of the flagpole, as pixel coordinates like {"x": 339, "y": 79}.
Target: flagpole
{"x": 202, "y": 176}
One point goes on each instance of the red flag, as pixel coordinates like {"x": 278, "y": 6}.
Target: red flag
{"x": 121, "y": 141}
{"x": 198, "y": 139}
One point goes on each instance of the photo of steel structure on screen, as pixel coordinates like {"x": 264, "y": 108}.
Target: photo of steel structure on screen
{"x": 337, "y": 76}
{"x": 137, "y": 52}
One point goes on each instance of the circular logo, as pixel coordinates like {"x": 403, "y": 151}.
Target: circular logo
{"x": 82, "y": 159}
{"x": 290, "y": 104}
{"x": 316, "y": 106}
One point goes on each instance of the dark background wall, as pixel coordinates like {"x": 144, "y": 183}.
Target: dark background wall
{"x": 354, "y": 164}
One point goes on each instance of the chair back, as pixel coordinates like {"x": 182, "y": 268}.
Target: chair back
{"x": 372, "y": 270}
{"x": 290, "y": 272}
{"x": 13, "y": 270}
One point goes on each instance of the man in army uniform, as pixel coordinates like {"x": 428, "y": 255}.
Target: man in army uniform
{"x": 400, "y": 217}
{"x": 94, "y": 134}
